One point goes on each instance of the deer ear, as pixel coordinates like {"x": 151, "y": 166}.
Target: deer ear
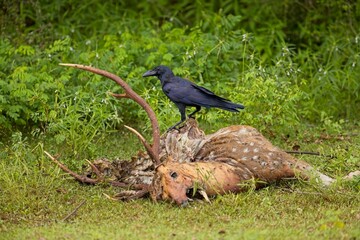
{"x": 174, "y": 175}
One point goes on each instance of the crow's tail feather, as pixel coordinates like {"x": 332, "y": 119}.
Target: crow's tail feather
{"x": 229, "y": 106}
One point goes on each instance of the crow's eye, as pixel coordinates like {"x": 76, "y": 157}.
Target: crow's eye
{"x": 173, "y": 175}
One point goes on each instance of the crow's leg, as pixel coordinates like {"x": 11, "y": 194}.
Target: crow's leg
{"x": 198, "y": 108}
{"x": 181, "y": 108}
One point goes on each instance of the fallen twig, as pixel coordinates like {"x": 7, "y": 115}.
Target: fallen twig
{"x": 74, "y": 211}
{"x": 109, "y": 197}
{"x": 310, "y": 153}
{"x": 300, "y": 192}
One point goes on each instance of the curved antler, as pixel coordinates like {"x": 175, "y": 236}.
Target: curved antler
{"x": 144, "y": 188}
{"x": 129, "y": 93}
{"x": 81, "y": 178}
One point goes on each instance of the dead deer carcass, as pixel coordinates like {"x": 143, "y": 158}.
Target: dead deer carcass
{"x": 186, "y": 160}
{"x": 219, "y": 163}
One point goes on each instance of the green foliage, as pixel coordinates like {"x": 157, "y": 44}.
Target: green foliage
{"x": 82, "y": 120}
{"x": 283, "y": 72}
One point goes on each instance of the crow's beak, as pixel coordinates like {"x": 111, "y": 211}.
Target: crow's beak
{"x": 150, "y": 73}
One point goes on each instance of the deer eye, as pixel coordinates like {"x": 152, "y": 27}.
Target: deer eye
{"x": 173, "y": 175}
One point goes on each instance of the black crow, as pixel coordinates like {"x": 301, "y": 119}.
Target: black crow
{"x": 185, "y": 93}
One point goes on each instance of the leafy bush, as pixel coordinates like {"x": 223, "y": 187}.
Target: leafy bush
{"x": 285, "y": 70}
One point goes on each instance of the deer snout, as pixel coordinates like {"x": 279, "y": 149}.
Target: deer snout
{"x": 175, "y": 186}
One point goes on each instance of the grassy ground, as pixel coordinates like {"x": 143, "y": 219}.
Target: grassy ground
{"x": 36, "y": 197}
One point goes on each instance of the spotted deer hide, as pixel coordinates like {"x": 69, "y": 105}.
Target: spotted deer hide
{"x": 220, "y": 162}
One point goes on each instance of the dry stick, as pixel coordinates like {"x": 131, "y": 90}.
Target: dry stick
{"x": 310, "y": 153}
{"x": 109, "y": 197}
{"x": 74, "y": 211}
{"x": 129, "y": 93}
{"x": 300, "y": 192}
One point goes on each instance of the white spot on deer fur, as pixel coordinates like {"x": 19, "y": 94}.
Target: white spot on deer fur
{"x": 251, "y": 144}
{"x": 270, "y": 154}
{"x": 263, "y": 164}
{"x": 244, "y": 158}
{"x": 246, "y": 150}
{"x": 233, "y": 149}
{"x": 256, "y": 150}
{"x": 255, "y": 158}
{"x": 146, "y": 180}
{"x": 275, "y": 163}
{"x": 243, "y": 130}
{"x": 211, "y": 156}
{"x": 226, "y": 131}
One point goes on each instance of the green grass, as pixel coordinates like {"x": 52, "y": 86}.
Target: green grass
{"x": 36, "y": 196}
{"x": 266, "y": 214}
{"x": 269, "y": 213}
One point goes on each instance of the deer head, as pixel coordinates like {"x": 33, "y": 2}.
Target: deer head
{"x": 177, "y": 182}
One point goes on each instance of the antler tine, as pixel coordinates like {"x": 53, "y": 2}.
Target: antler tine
{"x": 78, "y": 177}
{"x": 133, "y": 95}
{"x": 95, "y": 170}
{"x": 146, "y": 145}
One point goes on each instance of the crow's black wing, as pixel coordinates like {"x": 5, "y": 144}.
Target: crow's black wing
{"x": 185, "y": 92}
{"x": 207, "y": 91}
{"x": 178, "y": 90}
